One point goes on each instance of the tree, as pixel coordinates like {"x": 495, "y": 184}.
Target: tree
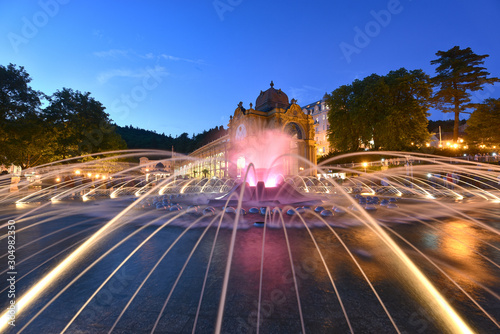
{"x": 81, "y": 125}
{"x": 404, "y": 105}
{"x": 484, "y": 123}
{"x": 205, "y": 172}
{"x": 24, "y": 139}
{"x": 459, "y": 72}
{"x": 30, "y": 142}
{"x": 385, "y": 112}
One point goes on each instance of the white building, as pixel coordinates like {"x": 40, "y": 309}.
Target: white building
{"x": 319, "y": 112}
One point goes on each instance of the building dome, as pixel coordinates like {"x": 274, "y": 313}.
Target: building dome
{"x": 159, "y": 166}
{"x": 271, "y": 99}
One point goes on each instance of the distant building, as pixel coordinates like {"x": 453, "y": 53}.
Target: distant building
{"x": 155, "y": 166}
{"x": 319, "y": 111}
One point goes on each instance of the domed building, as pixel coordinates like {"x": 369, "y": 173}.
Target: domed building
{"x": 276, "y": 126}
{"x": 271, "y": 99}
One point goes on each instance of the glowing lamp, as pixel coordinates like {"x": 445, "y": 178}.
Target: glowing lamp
{"x": 240, "y": 162}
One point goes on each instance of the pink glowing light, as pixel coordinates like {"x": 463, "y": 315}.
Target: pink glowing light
{"x": 264, "y": 151}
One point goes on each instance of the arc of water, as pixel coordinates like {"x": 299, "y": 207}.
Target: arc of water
{"x": 157, "y": 264}
{"x": 88, "y": 268}
{"x": 43, "y": 221}
{"x": 222, "y": 303}
{"x": 186, "y": 185}
{"x": 329, "y": 273}
{"x": 422, "y": 221}
{"x": 46, "y": 190}
{"x": 182, "y": 270}
{"x": 306, "y": 188}
{"x": 49, "y": 234}
{"x": 138, "y": 192}
{"x": 118, "y": 268}
{"x": 123, "y": 185}
{"x": 414, "y": 191}
{"x": 49, "y": 259}
{"x": 205, "y": 185}
{"x": 453, "y": 321}
{"x": 118, "y": 190}
{"x": 41, "y": 285}
{"x": 44, "y": 249}
{"x": 206, "y": 275}
{"x": 96, "y": 183}
{"x": 485, "y": 288}
{"x": 293, "y": 272}
{"x": 267, "y": 214}
{"x": 162, "y": 190}
{"x": 222, "y": 188}
{"x": 444, "y": 273}
{"x": 467, "y": 217}
{"x": 361, "y": 270}
{"x": 480, "y": 194}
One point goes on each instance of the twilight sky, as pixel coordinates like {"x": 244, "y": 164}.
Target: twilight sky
{"x": 183, "y": 65}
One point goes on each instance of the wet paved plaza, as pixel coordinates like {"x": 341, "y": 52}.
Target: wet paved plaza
{"x": 467, "y": 254}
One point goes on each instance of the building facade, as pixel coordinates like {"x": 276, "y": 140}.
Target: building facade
{"x": 254, "y": 134}
{"x": 319, "y": 112}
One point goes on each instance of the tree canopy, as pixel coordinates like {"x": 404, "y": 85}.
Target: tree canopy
{"x": 483, "y": 125}
{"x": 73, "y": 123}
{"x": 140, "y": 138}
{"x": 80, "y": 124}
{"x": 382, "y": 112}
{"x": 23, "y": 138}
{"x": 459, "y": 73}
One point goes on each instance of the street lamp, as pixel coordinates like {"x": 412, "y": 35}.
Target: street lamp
{"x": 365, "y": 164}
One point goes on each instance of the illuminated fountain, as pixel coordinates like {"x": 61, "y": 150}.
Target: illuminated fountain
{"x": 398, "y": 250}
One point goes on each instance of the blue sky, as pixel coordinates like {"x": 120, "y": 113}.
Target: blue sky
{"x": 178, "y": 66}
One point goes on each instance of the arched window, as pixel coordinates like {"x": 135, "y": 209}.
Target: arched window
{"x": 294, "y": 130}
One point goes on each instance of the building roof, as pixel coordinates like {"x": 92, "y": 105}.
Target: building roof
{"x": 270, "y": 99}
